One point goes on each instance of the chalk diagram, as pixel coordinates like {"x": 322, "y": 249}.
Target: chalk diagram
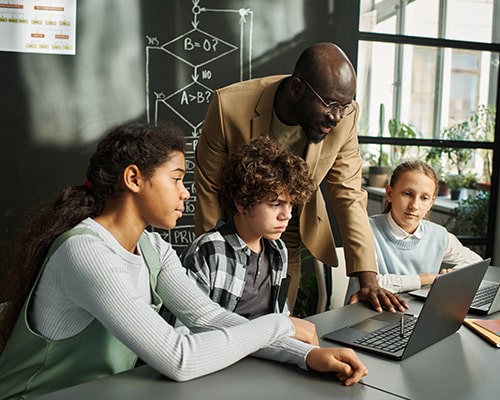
{"x": 181, "y": 76}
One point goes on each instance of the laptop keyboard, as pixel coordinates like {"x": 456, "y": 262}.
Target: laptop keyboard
{"x": 484, "y": 295}
{"x": 390, "y": 338}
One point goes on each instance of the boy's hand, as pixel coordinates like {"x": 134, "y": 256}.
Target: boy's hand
{"x": 343, "y": 361}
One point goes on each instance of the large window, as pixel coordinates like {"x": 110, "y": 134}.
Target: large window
{"x": 428, "y": 87}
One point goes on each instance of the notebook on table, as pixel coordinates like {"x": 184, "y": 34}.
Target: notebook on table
{"x": 491, "y": 335}
{"x": 398, "y": 336}
{"x": 485, "y": 302}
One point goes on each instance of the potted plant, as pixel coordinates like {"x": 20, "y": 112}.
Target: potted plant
{"x": 398, "y": 129}
{"x": 470, "y": 217}
{"x": 482, "y": 125}
{"x": 433, "y": 158}
{"x": 378, "y": 174}
{"x": 455, "y": 183}
{"x": 470, "y": 184}
{"x": 457, "y": 157}
{"x": 479, "y": 127}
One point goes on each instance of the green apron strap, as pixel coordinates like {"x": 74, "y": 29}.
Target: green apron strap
{"x": 153, "y": 262}
{"x": 66, "y": 235}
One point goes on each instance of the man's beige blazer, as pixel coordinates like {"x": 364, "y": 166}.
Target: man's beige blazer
{"x": 243, "y": 111}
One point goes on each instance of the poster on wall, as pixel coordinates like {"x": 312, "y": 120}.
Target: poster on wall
{"x": 38, "y": 26}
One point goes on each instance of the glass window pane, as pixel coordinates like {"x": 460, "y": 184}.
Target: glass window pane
{"x": 409, "y": 91}
{"x": 431, "y": 90}
{"x": 467, "y": 168}
{"x": 469, "y": 20}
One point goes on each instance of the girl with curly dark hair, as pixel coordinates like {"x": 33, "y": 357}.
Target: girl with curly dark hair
{"x": 93, "y": 279}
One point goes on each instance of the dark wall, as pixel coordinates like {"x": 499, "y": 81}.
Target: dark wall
{"x": 139, "y": 60}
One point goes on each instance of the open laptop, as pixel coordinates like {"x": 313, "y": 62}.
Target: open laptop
{"x": 485, "y": 302}
{"x": 398, "y": 336}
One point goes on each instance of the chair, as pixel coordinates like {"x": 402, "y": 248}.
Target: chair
{"x": 332, "y": 283}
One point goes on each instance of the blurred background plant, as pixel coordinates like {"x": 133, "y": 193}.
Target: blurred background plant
{"x": 479, "y": 127}
{"x": 470, "y": 218}
{"x": 398, "y": 129}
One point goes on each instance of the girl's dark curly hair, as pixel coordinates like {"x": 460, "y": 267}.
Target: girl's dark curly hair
{"x": 260, "y": 168}
{"x": 146, "y": 146}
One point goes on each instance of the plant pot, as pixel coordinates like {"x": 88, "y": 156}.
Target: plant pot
{"x": 458, "y": 194}
{"x": 470, "y": 193}
{"x": 378, "y": 175}
{"x": 454, "y": 194}
{"x": 443, "y": 189}
{"x": 484, "y": 186}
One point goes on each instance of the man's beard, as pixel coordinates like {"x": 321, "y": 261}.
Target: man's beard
{"x": 314, "y": 137}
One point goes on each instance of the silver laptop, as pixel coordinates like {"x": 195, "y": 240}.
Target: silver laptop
{"x": 485, "y": 302}
{"x": 399, "y": 336}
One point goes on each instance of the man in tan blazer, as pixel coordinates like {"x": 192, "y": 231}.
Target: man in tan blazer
{"x": 313, "y": 111}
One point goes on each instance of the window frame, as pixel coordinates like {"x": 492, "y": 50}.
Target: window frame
{"x": 438, "y": 43}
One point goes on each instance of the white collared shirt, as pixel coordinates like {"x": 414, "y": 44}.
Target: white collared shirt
{"x": 456, "y": 255}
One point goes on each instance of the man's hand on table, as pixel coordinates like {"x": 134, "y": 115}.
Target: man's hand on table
{"x": 371, "y": 292}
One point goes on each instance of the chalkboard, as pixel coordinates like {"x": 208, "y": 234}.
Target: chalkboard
{"x": 136, "y": 60}
{"x": 212, "y": 46}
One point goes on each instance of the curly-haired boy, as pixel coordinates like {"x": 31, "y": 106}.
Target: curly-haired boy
{"x": 241, "y": 263}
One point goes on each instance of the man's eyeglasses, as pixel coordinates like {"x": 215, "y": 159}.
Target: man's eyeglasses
{"x": 333, "y": 107}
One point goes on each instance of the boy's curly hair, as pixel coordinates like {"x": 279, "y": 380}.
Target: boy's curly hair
{"x": 260, "y": 168}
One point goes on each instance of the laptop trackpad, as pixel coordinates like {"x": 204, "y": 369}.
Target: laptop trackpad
{"x": 377, "y": 321}
{"x": 369, "y": 325}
